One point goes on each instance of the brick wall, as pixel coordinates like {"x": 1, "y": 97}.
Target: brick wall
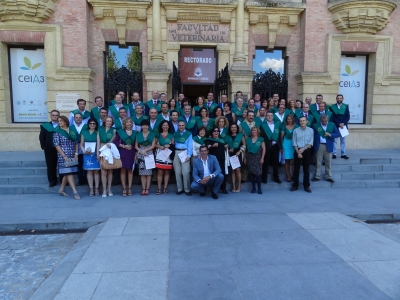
{"x": 73, "y": 16}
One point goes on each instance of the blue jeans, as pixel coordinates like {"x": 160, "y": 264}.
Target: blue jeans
{"x": 342, "y": 145}
{"x": 214, "y": 182}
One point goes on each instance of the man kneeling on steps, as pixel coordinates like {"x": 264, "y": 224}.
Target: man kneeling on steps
{"x": 206, "y": 172}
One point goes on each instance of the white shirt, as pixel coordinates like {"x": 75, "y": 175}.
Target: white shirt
{"x": 55, "y": 124}
{"x": 79, "y": 128}
{"x": 280, "y": 117}
{"x": 71, "y": 118}
{"x": 175, "y": 126}
{"x": 262, "y": 119}
{"x": 321, "y": 139}
{"x": 272, "y": 127}
{"x": 165, "y": 117}
{"x": 205, "y": 167}
{"x": 152, "y": 124}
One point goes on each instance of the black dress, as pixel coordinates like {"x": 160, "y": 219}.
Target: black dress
{"x": 219, "y": 153}
{"x": 229, "y": 117}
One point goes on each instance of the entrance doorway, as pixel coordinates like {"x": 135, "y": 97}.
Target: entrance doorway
{"x": 193, "y": 91}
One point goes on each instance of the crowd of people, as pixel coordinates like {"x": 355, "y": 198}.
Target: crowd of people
{"x": 201, "y": 144}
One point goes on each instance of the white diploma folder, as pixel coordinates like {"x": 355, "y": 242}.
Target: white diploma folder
{"x": 235, "y": 163}
{"x": 149, "y": 162}
{"x": 344, "y": 131}
{"x": 182, "y": 156}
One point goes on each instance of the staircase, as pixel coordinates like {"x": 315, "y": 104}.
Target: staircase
{"x": 25, "y": 173}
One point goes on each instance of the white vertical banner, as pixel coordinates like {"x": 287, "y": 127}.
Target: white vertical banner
{"x": 29, "y": 90}
{"x": 352, "y": 85}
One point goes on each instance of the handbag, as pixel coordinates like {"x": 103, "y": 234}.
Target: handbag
{"x": 117, "y": 164}
{"x": 71, "y": 163}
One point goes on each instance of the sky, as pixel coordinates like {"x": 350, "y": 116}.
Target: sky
{"x": 265, "y": 60}
{"x": 121, "y": 53}
{"x": 262, "y": 62}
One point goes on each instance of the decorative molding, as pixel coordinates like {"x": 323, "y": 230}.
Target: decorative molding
{"x": 26, "y": 10}
{"x": 367, "y": 16}
{"x": 194, "y": 12}
{"x": 119, "y": 13}
{"x": 273, "y": 18}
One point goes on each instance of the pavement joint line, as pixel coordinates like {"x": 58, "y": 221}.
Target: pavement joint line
{"x": 52, "y": 285}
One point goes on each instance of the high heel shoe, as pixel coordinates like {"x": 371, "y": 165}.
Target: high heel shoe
{"x": 123, "y": 192}
{"x": 91, "y": 193}
{"x": 76, "y": 196}
{"x": 130, "y": 191}
{"x": 96, "y": 192}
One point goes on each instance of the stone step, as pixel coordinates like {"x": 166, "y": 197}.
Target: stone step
{"x": 23, "y": 163}
{"x": 22, "y": 180}
{"x": 370, "y": 175}
{"x": 23, "y": 171}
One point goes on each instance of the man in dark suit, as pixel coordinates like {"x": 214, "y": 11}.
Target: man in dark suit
{"x": 153, "y": 103}
{"x": 324, "y": 135}
{"x": 206, "y": 172}
{"x": 46, "y": 143}
{"x": 95, "y": 112}
{"x": 224, "y": 99}
{"x": 270, "y": 131}
{"x": 340, "y": 116}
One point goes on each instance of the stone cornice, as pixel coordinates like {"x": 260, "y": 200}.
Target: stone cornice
{"x": 273, "y": 17}
{"x": 120, "y": 11}
{"x": 26, "y": 10}
{"x": 198, "y": 12}
{"x": 361, "y": 16}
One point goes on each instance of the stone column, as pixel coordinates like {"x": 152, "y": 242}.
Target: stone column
{"x": 156, "y": 73}
{"x": 241, "y": 74}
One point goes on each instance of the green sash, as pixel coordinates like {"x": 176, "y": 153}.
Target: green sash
{"x": 253, "y": 147}
{"x": 277, "y": 120}
{"x": 85, "y": 115}
{"x": 198, "y": 140}
{"x": 155, "y": 130}
{"x": 255, "y": 110}
{"x": 197, "y": 108}
{"x": 165, "y": 141}
{"x": 289, "y": 135}
{"x": 73, "y": 132}
{"x": 190, "y": 124}
{"x": 137, "y": 120}
{"x": 132, "y": 109}
{"x": 274, "y": 109}
{"x": 48, "y": 127}
{"x": 272, "y": 136}
{"x": 89, "y": 137}
{"x": 318, "y": 116}
{"x": 234, "y": 143}
{"x": 96, "y": 114}
{"x": 238, "y": 112}
{"x": 181, "y": 139}
{"x": 338, "y": 111}
{"x": 310, "y": 120}
{"x": 209, "y": 126}
{"x": 150, "y": 104}
{"x": 212, "y": 107}
{"x": 65, "y": 134}
{"x": 224, "y": 133}
{"x": 105, "y": 137}
{"x": 246, "y": 128}
{"x": 321, "y": 131}
{"x": 141, "y": 141}
{"x": 219, "y": 140}
{"x": 258, "y": 121}
{"x": 313, "y": 108}
{"x": 288, "y": 111}
{"x": 129, "y": 140}
{"x": 115, "y": 112}
{"x": 117, "y": 124}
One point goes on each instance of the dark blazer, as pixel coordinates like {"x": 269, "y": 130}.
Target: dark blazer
{"x": 147, "y": 107}
{"x": 198, "y": 169}
{"x": 268, "y": 142}
{"x": 337, "y": 119}
{"x": 329, "y": 140}
{"x": 46, "y": 139}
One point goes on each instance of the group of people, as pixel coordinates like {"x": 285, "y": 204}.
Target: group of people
{"x": 202, "y": 144}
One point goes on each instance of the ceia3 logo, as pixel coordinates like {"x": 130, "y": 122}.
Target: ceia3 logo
{"x": 349, "y": 83}
{"x": 29, "y": 67}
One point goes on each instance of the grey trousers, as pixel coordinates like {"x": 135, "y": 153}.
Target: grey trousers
{"x": 182, "y": 170}
{"x": 323, "y": 153}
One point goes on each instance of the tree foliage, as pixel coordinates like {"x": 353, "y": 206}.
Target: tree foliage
{"x": 134, "y": 60}
{"x": 112, "y": 62}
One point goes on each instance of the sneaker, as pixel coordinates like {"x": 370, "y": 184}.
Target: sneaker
{"x": 345, "y": 156}
{"x": 333, "y": 156}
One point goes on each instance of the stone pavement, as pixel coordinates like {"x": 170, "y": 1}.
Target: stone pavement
{"x": 279, "y": 245}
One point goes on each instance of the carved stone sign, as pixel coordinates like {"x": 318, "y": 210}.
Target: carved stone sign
{"x": 197, "y": 32}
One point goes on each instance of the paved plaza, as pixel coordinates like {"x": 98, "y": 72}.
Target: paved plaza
{"x": 278, "y": 245}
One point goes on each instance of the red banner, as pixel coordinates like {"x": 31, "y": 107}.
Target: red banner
{"x": 197, "y": 66}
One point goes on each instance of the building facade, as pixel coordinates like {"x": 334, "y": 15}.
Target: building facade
{"x": 66, "y": 42}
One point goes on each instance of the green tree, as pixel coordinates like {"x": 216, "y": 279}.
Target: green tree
{"x": 134, "y": 60}
{"x": 112, "y": 62}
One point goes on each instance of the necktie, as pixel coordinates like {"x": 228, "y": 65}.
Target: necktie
{"x": 306, "y": 115}
{"x": 155, "y": 102}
